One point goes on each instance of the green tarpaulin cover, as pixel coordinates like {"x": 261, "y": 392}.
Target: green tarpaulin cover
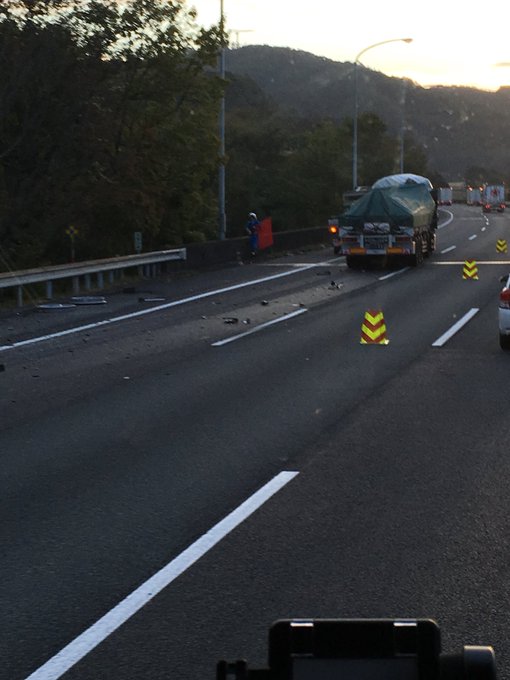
{"x": 408, "y": 205}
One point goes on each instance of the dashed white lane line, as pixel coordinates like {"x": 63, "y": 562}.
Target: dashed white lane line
{"x": 456, "y": 327}
{"x": 472, "y": 237}
{"x": 389, "y": 276}
{"x": 448, "y": 250}
{"x": 256, "y": 329}
{"x": 158, "y": 308}
{"x": 59, "y": 664}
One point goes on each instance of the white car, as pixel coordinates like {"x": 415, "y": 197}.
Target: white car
{"x": 504, "y": 314}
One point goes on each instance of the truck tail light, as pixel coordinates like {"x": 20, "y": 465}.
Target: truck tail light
{"x": 333, "y": 229}
{"x": 504, "y": 299}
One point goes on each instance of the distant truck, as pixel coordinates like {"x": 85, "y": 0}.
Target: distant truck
{"x": 473, "y": 196}
{"x": 445, "y": 196}
{"x": 493, "y": 198}
{"x": 397, "y": 218}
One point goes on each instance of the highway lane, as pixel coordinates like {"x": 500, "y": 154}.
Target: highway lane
{"x": 85, "y": 529}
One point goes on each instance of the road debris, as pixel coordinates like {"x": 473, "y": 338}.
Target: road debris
{"x": 55, "y": 306}
{"x": 88, "y": 300}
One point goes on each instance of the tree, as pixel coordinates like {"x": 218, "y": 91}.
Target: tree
{"x": 315, "y": 174}
{"x": 107, "y": 121}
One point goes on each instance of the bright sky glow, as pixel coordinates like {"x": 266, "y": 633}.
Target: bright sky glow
{"x": 454, "y": 43}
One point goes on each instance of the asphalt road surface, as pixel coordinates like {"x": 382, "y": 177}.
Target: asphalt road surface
{"x": 197, "y": 458}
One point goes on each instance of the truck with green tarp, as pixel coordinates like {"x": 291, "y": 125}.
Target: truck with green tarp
{"x": 396, "y": 219}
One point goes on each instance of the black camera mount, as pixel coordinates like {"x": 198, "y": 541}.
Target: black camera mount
{"x": 362, "y": 649}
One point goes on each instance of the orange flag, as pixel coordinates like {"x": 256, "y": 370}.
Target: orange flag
{"x": 265, "y": 233}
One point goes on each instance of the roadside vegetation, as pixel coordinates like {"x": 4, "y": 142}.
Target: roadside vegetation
{"x": 109, "y": 123}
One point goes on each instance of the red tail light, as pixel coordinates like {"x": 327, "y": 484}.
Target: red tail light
{"x": 504, "y": 298}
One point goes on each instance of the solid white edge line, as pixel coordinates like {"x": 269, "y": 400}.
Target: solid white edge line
{"x": 219, "y": 343}
{"x": 73, "y": 652}
{"x": 456, "y": 327}
{"x": 158, "y": 308}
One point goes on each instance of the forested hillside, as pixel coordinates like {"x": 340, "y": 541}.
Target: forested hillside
{"x": 109, "y": 122}
{"x": 464, "y": 131}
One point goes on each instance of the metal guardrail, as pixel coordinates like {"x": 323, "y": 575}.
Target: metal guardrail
{"x": 146, "y": 262}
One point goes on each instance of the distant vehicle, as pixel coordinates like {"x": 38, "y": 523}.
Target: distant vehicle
{"x": 397, "y": 218}
{"x": 458, "y": 191}
{"x": 504, "y": 314}
{"x": 493, "y": 198}
{"x": 473, "y": 196}
{"x": 444, "y": 196}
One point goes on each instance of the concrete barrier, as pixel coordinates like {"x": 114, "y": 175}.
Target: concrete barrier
{"x": 231, "y": 250}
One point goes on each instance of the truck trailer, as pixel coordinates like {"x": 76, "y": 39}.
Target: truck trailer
{"x": 473, "y": 196}
{"x": 445, "y": 196}
{"x": 493, "y": 198}
{"x": 396, "y": 219}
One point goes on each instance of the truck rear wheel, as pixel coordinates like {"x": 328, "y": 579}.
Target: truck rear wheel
{"x": 417, "y": 258}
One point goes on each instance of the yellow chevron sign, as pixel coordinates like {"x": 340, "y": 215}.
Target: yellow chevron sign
{"x": 501, "y": 246}
{"x": 470, "y": 270}
{"x": 373, "y": 329}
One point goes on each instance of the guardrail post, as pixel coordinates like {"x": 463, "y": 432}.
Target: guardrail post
{"x": 19, "y": 296}
{"x": 111, "y": 276}
{"x": 49, "y": 290}
{"x": 76, "y": 285}
{"x": 100, "y": 280}
{"x": 87, "y": 282}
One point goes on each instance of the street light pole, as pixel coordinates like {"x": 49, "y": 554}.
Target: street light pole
{"x": 356, "y": 106}
{"x": 221, "y": 187}
{"x": 402, "y": 124}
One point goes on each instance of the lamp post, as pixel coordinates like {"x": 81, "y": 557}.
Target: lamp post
{"x": 402, "y": 124}
{"x": 355, "y": 121}
{"x": 221, "y": 187}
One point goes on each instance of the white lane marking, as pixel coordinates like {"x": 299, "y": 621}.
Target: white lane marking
{"x": 472, "y": 237}
{"x": 483, "y": 228}
{"x": 258, "y": 328}
{"x": 388, "y": 276}
{"x": 158, "y": 308}
{"x": 477, "y": 262}
{"x": 450, "y": 218}
{"x": 64, "y": 660}
{"x": 456, "y": 327}
{"x": 447, "y": 250}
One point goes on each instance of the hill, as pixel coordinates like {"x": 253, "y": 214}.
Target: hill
{"x": 464, "y": 131}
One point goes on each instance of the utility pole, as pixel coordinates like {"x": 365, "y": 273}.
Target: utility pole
{"x": 221, "y": 187}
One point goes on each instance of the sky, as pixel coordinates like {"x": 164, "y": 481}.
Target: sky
{"x": 453, "y": 43}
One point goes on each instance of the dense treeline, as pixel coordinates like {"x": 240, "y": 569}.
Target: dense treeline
{"x": 109, "y": 123}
